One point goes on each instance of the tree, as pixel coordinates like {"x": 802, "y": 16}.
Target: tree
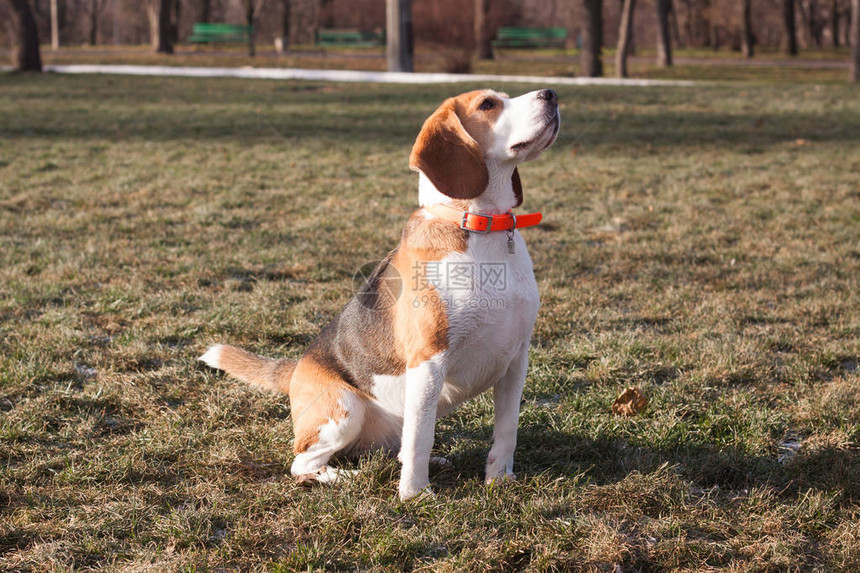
{"x": 55, "y": 25}
{"x": 95, "y": 9}
{"x": 174, "y": 21}
{"x": 399, "y": 48}
{"x": 834, "y": 22}
{"x": 747, "y": 40}
{"x": 252, "y": 18}
{"x": 285, "y": 24}
{"x": 625, "y": 35}
{"x": 483, "y": 47}
{"x": 158, "y": 12}
{"x": 28, "y": 57}
{"x": 664, "y": 40}
{"x": 855, "y": 40}
{"x": 789, "y": 28}
{"x": 205, "y": 11}
{"x": 592, "y": 39}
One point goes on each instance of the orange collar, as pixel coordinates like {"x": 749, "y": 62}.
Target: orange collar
{"x": 480, "y": 223}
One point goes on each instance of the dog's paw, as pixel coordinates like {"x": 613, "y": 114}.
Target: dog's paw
{"x": 424, "y": 494}
{"x": 506, "y": 477}
{"x": 440, "y": 462}
{"x": 326, "y": 475}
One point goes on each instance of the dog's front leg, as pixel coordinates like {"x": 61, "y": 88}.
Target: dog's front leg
{"x": 507, "y": 394}
{"x": 423, "y": 386}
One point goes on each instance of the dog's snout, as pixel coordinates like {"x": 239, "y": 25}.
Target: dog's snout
{"x": 548, "y": 96}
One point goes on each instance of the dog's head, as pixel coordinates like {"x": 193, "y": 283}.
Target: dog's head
{"x": 475, "y": 134}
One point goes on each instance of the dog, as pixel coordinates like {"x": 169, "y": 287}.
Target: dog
{"x": 446, "y": 316}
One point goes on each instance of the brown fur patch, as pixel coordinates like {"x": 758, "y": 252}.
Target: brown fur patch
{"x": 448, "y": 155}
{"x": 256, "y": 370}
{"x": 518, "y": 187}
{"x": 315, "y": 394}
{"x": 420, "y": 319}
{"x": 433, "y": 239}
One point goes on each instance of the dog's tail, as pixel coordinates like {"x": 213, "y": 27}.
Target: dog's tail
{"x": 258, "y": 371}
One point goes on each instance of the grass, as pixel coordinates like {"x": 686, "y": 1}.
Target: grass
{"x": 700, "y": 243}
{"x": 692, "y": 64}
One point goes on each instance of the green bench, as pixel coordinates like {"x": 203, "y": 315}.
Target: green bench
{"x": 530, "y": 38}
{"x": 349, "y": 37}
{"x": 206, "y": 33}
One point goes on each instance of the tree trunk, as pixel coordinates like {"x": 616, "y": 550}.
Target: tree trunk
{"x": 483, "y": 47}
{"x": 158, "y": 12}
{"x": 747, "y": 41}
{"x": 625, "y": 35}
{"x": 673, "y": 23}
{"x": 705, "y": 25}
{"x": 249, "y": 21}
{"x": 55, "y": 25}
{"x": 834, "y": 22}
{"x": 399, "y": 49}
{"x": 592, "y": 39}
{"x": 174, "y": 21}
{"x": 205, "y": 11}
{"x": 789, "y": 29}
{"x": 855, "y": 40}
{"x": 285, "y": 25}
{"x": 94, "y": 21}
{"x": 664, "y": 40}
{"x": 28, "y": 57}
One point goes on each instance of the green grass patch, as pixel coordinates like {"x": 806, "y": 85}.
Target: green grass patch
{"x": 701, "y": 243}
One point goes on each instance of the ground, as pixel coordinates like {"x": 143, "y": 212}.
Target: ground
{"x": 700, "y": 243}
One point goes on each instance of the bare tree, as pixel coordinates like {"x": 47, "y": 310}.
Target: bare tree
{"x": 747, "y": 41}
{"x": 285, "y": 25}
{"x": 253, "y": 8}
{"x": 205, "y": 11}
{"x": 158, "y": 12}
{"x": 834, "y": 22}
{"x": 664, "y": 40}
{"x": 592, "y": 39}
{"x": 95, "y": 10}
{"x": 855, "y": 40}
{"x": 789, "y": 28}
{"x": 625, "y": 35}
{"x": 399, "y": 41}
{"x": 174, "y": 21}
{"x": 55, "y": 25}
{"x": 28, "y": 57}
{"x": 483, "y": 47}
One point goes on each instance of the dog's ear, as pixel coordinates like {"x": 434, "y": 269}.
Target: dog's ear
{"x": 449, "y": 156}
{"x": 518, "y": 187}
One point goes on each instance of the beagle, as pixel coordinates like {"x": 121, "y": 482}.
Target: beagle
{"x": 447, "y": 315}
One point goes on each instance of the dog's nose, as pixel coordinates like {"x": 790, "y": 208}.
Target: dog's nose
{"x": 549, "y": 96}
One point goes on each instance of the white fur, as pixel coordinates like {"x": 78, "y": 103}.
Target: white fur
{"x": 212, "y": 357}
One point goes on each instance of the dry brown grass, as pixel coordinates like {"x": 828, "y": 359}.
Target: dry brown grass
{"x": 699, "y": 243}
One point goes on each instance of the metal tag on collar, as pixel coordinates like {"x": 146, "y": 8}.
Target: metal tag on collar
{"x": 511, "y": 235}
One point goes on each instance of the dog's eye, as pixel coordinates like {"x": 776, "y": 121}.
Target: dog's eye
{"x": 487, "y": 105}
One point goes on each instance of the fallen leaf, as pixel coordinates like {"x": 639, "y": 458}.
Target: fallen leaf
{"x": 630, "y": 402}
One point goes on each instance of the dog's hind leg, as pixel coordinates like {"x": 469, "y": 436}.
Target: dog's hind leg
{"x": 328, "y": 419}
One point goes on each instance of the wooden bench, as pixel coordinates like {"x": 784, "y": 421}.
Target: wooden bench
{"x": 530, "y": 38}
{"x": 349, "y": 37}
{"x": 206, "y": 33}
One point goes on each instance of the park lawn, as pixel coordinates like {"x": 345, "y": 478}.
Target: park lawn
{"x": 700, "y": 243}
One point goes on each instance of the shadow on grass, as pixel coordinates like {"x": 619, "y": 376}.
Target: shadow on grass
{"x": 119, "y": 108}
{"x": 605, "y": 461}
